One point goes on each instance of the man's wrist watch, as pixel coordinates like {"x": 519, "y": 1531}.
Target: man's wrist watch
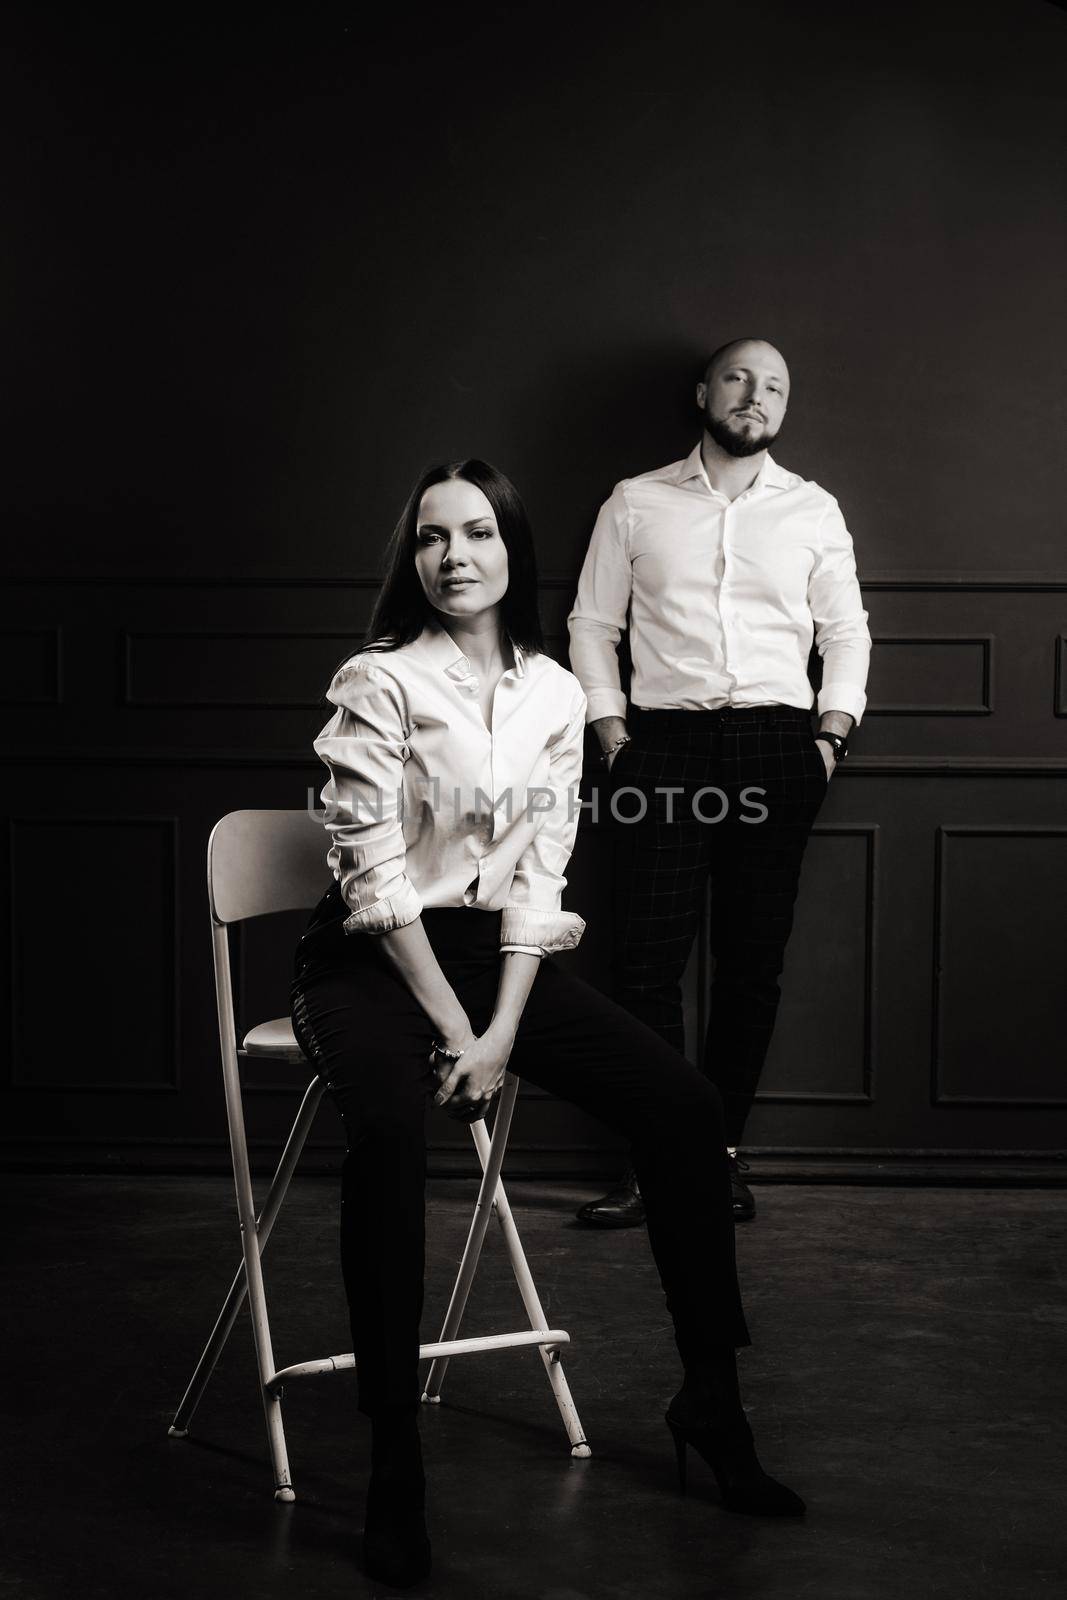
{"x": 837, "y": 742}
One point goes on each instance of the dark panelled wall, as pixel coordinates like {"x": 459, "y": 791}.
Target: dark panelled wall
{"x": 259, "y": 273}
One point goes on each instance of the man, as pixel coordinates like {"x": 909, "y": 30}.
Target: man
{"x": 724, "y": 567}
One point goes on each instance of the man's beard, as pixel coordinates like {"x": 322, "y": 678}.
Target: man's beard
{"x": 735, "y": 443}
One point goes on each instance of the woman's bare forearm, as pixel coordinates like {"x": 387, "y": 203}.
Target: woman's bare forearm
{"x": 517, "y": 973}
{"x": 411, "y": 956}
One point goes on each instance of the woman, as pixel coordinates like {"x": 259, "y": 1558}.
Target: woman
{"x": 454, "y": 757}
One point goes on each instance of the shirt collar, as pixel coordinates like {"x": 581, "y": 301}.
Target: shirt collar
{"x": 769, "y": 476}
{"x": 772, "y": 476}
{"x": 437, "y": 644}
{"x": 692, "y": 467}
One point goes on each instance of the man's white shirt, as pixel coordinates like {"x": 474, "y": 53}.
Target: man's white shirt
{"x": 722, "y": 598}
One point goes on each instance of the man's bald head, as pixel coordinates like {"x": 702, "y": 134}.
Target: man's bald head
{"x": 744, "y": 395}
{"x": 740, "y": 349}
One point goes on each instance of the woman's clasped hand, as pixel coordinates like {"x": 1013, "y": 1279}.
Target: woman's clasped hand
{"x": 467, "y": 1086}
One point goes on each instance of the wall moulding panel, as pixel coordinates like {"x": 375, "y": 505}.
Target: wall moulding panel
{"x": 978, "y": 686}
{"x": 999, "y": 998}
{"x": 931, "y": 675}
{"x": 94, "y": 958}
{"x": 265, "y": 644}
{"x": 232, "y": 670}
{"x": 1059, "y": 684}
{"x": 31, "y": 666}
{"x": 251, "y": 674}
{"x": 834, "y": 940}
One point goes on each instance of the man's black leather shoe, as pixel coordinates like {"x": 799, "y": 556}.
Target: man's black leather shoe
{"x": 743, "y": 1198}
{"x": 621, "y": 1207}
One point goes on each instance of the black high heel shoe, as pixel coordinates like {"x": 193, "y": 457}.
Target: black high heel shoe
{"x": 396, "y": 1546}
{"x": 731, "y": 1454}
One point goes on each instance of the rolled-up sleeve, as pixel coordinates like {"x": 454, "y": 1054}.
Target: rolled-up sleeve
{"x": 600, "y": 609}
{"x": 364, "y": 748}
{"x": 532, "y": 919}
{"x": 841, "y": 634}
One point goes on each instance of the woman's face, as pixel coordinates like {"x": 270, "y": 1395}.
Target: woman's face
{"x": 460, "y": 557}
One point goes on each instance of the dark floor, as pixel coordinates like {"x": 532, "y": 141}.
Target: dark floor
{"x": 907, "y": 1377}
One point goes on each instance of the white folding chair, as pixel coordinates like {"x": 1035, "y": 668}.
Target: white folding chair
{"x": 264, "y": 861}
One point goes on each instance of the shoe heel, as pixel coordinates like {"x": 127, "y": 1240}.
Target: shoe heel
{"x": 679, "y": 1449}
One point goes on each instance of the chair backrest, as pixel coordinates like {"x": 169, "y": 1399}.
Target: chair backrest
{"x": 260, "y": 861}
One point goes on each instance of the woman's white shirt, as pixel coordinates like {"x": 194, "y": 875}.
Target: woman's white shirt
{"x": 426, "y": 807}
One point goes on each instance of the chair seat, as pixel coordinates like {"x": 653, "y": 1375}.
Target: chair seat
{"x": 275, "y": 1040}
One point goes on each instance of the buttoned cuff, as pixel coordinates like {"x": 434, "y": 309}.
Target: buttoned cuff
{"x": 604, "y": 703}
{"x": 846, "y": 697}
{"x": 521, "y": 950}
{"x": 525, "y": 928}
{"x": 394, "y": 911}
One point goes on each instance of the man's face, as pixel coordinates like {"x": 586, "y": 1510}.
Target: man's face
{"x": 744, "y": 396}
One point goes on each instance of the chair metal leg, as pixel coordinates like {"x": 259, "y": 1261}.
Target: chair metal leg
{"x": 239, "y": 1287}
{"x": 483, "y": 1210}
{"x": 491, "y": 1155}
{"x": 535, "y": 1312}
{"x": 242, "y": 1179}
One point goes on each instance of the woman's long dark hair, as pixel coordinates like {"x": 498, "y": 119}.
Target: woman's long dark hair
{"x": 402, "y": 609}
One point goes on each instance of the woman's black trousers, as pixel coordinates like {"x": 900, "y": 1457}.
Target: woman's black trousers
{"x": 367, "y": 1036}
